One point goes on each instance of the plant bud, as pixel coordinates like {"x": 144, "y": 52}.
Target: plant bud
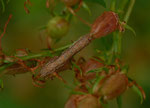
{"x": 70, "y": 2}
{"x": 57, "y": 27}
{"x": 113, "y": 86}
{"x": 83, "y": 101}
{"x": 105, "y": 24}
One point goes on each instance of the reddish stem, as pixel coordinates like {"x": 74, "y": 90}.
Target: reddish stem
{"x": 5, "y": 27}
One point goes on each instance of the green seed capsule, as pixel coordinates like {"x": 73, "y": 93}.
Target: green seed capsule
{"x": 57, "y": 27}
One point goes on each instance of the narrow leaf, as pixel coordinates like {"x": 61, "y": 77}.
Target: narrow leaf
{"x": 86, "y": 7}
{"x": 130, "y": 28}
{"x": 136, "y": 89}
{"x": 99, "y": 78}
{"x": 76, "y": 66}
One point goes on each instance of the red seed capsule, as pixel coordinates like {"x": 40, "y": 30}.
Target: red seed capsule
{"x": 105, "y": 24}
{"x": 72, "y": 101}
{"x": 83, "y": 101}
{"x": 113, "y": 86}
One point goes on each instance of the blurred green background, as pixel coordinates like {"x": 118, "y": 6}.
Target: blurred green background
{"x": 22, "y": 32}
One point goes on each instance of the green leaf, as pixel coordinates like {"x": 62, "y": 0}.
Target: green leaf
{"x": 76, "y": 66}
{"x": 130, "y": 28}
{"x": 136, "y": 89}
{"x": 98, "y": 79}
{"x": 86, "y": 7}
{"x": 101, "y": 2}
{"x": 119, "y": 101}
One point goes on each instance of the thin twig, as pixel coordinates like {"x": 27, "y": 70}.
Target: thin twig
{"x": 51, "y": 67}
{"x": 5, "y": 27}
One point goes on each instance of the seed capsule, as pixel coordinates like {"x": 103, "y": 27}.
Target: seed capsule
{"x": 57, "y": 27}
{"x": 105, "y": 24}
{"x": 112, "y": 86}
{"x": 83, "y": 101}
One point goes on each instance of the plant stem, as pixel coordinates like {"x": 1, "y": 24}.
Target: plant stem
{"x": 127, "y": 15}
{"x": 113, "y": 5}
{"x": 123, "y": 4}
{"x": 5, "y": 66}
{"x": 117, "y": 36}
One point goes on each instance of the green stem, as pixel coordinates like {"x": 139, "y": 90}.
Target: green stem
{"x": 44, "y": 54}
{"x": 123, "y": 4}
{"x": 5, "y": 66}
{"x": 127, "y": 15}
{"x": 113, "y": 5}
{"x": 117, "y": 37}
